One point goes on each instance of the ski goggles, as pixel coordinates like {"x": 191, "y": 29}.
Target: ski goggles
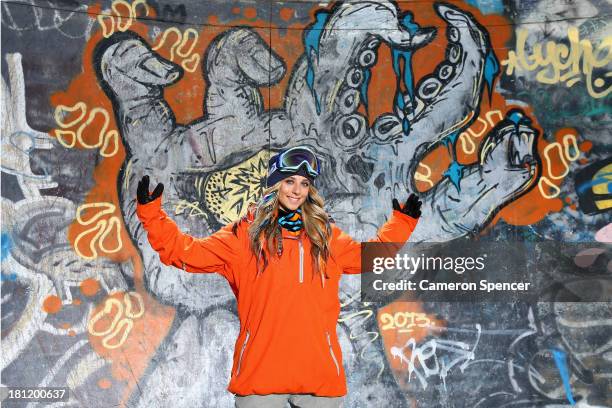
{"x": 292, "y": 159}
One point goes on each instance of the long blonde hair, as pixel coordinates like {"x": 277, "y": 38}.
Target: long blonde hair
{"x": 265, "y": 235}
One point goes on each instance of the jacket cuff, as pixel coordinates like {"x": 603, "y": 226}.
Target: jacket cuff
{"x": 405, "y": 218}
{"x": 149, "y": 210}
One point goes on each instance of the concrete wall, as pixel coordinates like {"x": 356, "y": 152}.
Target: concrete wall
{"x": 499, "y": 119}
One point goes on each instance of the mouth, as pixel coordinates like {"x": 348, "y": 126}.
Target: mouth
{"x": 521, "y": 149}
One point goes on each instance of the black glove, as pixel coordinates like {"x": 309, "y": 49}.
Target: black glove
{"x": 412, "y": 207}
{"x": 142, "y": 193}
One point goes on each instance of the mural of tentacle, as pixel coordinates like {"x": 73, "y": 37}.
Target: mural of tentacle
{"x": 506, "y": 168}
{"x": 496, "y": 113}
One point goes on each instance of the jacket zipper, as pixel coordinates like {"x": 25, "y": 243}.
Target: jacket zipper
{"x": 246, "y": 339}
{"x": 301, "y": 247}
{"x": 333, "y": 356}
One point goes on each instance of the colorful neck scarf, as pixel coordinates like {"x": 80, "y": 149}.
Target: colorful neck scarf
{"x": 290, "y": 220}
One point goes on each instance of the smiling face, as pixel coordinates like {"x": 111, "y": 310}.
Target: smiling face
{"x": 293, "y": 191}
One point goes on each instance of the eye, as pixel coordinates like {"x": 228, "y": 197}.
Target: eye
{"x": 289, "y": 181}
{"x": 305, "y": 184}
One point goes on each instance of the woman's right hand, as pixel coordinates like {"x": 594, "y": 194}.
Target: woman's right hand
{"x": 142, "y": 192}
{"x": 412, "y": 207}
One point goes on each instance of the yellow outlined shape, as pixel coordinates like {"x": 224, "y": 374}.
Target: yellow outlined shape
{"x": 108, "y": 228}
{"x": 90, "y": 119}
{"x": 118, "y": 21}
{"x": 485, "y": 127}
{"x": 424, "y": 177}
{"x": 548, "y": 160}
{"x": 109, "y": 209}
{"x": 103, "y": 228}
{"x": 60, "y": 138}
{"x": 574, "y": 144}
{"x": 108, "y": 140}
{"x": 465, "y": 138}
{"x": 62, "y": 110}
{"x": 108, "y": 306}
{"x": 100, "y": 226}
{"x": 120, "y": 17}
{"x": 180, "y": 48}
{"x": 128, "y": 305}
{"x": 556, "y": 189}
{"x": 123, "y": 321}
{"x": 111, "y": 136}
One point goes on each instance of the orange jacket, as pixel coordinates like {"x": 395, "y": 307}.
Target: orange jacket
{"x": 287, "y": 342}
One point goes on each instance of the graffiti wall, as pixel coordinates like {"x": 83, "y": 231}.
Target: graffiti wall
{"x": 497, "y": 113}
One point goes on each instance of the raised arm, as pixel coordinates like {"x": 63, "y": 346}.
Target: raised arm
{"x": 397, "y": 229}
{"x": 215, "y": 253}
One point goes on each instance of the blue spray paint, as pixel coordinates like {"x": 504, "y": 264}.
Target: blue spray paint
{"x": 488, "y": 6}
{"x": 518, "y": 117}
{"x": 6, "y": 245}
{"x": 561, "y": 361}
{"x": 450, "y": 139}
{"x": 312, "y": 39}
{"x": 455, "y": 174}
{"x": 364, "y": 87}
{"x": 455, "y": 170}
{"x": 400, "y": 104}
{"x": 491, "y": 70}
{"x": 601, "y": 179}
{"x": 8, "y": 277}
{"x": 5, "y": 249}
{"x": 404, "y": 78}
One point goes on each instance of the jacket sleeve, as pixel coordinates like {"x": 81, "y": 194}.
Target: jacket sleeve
{"x": 347, "y": 252}
{"x": 215, "y": 253}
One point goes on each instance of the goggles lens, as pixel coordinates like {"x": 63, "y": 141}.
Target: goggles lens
{"x": 295, "y": 157}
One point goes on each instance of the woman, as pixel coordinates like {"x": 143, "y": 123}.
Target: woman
{"x": 283, "y": 261}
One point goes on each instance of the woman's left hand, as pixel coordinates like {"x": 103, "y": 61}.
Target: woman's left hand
{"x": 412, "y": 207}
{"x": 142, "y": 191}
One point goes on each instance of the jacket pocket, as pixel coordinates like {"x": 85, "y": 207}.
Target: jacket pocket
{"x": 331, "y": 352}
{"x": 244, "y": 344}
